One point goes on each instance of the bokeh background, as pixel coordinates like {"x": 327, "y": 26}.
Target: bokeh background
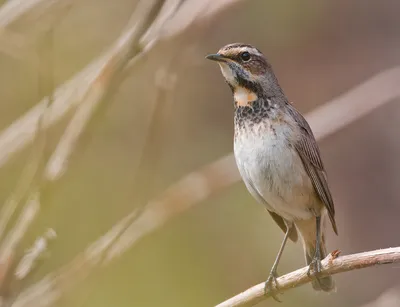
{"x": 222, "y": 246}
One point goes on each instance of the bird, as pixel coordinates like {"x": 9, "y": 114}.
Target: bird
{"x": 278, "y": 158}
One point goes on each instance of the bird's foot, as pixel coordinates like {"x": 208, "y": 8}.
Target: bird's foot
{"x": 315, "y": 268}
{"x": 269, "y": 285}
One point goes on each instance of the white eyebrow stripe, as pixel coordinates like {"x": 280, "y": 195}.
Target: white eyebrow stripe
{"x": 250, "y": 50}
{"x": 238, "y": 50}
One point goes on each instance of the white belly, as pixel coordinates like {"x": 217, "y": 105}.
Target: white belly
{"x": 274, "y": 171}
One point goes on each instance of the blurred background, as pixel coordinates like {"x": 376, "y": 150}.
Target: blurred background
{"x": 227, "y": 242}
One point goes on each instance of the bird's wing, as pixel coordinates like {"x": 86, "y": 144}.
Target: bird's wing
{"x": 277, "y": 218}
{"x": 309, "y": 153}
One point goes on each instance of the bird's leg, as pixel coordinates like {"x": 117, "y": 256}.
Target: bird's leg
{"x": 273, "y": 275}
{"x": 315, "y": 264}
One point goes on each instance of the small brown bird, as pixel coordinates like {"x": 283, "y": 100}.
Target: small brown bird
{"x": 278, "y": 157}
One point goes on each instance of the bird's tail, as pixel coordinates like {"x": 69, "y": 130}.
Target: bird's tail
{"x": 308, "y": 233}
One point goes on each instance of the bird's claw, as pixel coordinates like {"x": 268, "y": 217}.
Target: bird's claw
{"x": 269, "y": 286}
{"x": 315, "y": 268}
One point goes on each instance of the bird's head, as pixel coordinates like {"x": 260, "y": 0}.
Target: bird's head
{"x": 247, "y": 72}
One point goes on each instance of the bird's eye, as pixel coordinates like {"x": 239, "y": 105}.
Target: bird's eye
{"x": 245, "y": 56}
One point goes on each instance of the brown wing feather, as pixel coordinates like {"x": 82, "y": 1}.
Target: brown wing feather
{"x": 309, "y": 153}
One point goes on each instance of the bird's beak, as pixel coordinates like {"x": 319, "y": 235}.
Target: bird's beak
{"x": 216, "y": 57}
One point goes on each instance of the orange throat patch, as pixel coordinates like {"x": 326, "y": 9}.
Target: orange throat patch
{"x": 244, "y": 97}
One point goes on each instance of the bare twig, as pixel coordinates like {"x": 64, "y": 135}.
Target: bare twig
{"x": 331, "y": 265}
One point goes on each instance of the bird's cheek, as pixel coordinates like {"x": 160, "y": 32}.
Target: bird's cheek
{"x": 228, "y": 73}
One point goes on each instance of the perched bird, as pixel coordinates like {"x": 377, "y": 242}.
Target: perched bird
{"x": 278, "y": 157}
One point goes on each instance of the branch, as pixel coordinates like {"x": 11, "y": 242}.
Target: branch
{"x": 330, "y": 266}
